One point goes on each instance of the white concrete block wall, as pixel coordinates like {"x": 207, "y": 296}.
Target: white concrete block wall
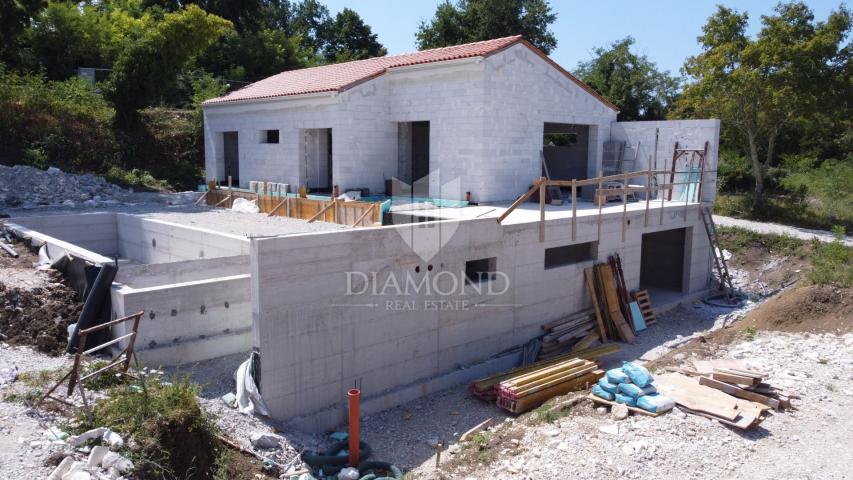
{"x": 316, "y": 341}
{"x": 688, "y": 134}
{"x": 523, "y": 92}
{"x": 486, "y": 126}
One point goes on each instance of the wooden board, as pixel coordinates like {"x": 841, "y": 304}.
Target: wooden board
{"x": 706, "y": 367}
{"x": 739, "y": 392}
{"x": 602, "y": 401}
{"x": 598, "y": 321}
{"x": 732, "y": 378}
{"x": 612, "y": 301}
{"x": 742, "y": 421}
{"x": 687, "y": 392}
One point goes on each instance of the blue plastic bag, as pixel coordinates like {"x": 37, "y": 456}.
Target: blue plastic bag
{"x": 601, "y": 393}
{"x": 655, "y": 403}
{"x": 634, "y": 391}
{"x": 617, "y": 376}
{"x": 626, "y": 399}
{"x": 637, "y": 373}
{"x": 607, "y": 386}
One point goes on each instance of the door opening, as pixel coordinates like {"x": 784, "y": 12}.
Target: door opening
{"x": 232, "y": 157}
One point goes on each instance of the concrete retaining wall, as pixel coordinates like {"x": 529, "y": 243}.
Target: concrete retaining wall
{"x": 96, "y": 232}
{"x": 146, "y": 240}
{"x": 317, "y": 338}
{"x": 190, "y": 321}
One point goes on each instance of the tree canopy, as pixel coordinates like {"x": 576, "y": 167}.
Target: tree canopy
{"x": 629, "y": 80}
{"x": 476, "y": 20}
{"x": 794, "y": 71}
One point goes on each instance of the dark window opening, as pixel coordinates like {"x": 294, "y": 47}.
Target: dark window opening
{"x": 270, "y": 136}
{"x": 482, "y": 270}
{"x": 570, "y": 254}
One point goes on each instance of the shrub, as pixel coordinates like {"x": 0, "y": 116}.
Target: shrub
{"x": 734, "y": 172}
{"x": 52, "y": 123}
{"x": 175, "y": 438}
{"x": 832, "y": 263}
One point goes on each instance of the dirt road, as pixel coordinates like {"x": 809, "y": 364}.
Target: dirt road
{"x": 779, "y": 229}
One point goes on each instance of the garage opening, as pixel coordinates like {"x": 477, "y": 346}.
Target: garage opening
{"x": 232, "y": 157}
{"x": 662, "y": 261}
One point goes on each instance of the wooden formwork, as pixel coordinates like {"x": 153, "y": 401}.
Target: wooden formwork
{"x": 353, "y": 214}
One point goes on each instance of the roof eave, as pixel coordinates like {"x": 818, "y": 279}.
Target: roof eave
{"x": 270, "y": 99}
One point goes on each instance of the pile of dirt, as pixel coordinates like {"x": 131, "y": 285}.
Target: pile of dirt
{"x": 39, "y": 316}
{"x": 809, "y": 308}
{"x": 802, "y": 308}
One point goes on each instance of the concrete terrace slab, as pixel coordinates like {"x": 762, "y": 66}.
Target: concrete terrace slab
{"x": 226, "y": 221}
{"x": 528, "y": 212}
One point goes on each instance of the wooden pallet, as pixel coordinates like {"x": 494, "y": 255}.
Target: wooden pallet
{"x": 630, "y": 408}
{"x": 645, "y": 303}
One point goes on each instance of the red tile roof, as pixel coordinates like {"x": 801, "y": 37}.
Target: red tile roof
{"x": 341, "y": 76}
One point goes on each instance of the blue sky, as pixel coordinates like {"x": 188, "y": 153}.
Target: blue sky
{"x": 665, "y": 30}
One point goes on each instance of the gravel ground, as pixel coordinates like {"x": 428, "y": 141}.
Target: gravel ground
{"x": 23, "y": 446}
{"x": 779, "y": 229}
{"x": 809, "y": 442}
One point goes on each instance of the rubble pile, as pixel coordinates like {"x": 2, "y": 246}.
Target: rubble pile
{"x": 22, "y": 186}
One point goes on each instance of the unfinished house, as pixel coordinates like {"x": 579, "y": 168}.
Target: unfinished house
{"x": 515, "y": 177}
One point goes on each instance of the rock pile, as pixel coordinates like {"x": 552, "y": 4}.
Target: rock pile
{"x": 22, "y": 186}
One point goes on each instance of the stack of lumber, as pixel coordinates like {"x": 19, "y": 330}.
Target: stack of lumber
{"x": 522, "y": 392}
{"x": 575, "y": 332}
{"x": 487, "y": 388}
{"x": 610, "y": 302}
{"x": 735, "y": 378}
{"x": 723, "y": 390}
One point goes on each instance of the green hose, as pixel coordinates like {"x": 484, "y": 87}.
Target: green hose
{"x": 332, "y": 463}
{"x": 391, "y": 471}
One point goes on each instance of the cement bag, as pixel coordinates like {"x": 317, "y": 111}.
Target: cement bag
{"x": 637, "y": 373}
{"x": 634, "y": 391}
{"x": 617, "y": 376}
{"x": 601, "y": 393}
{"x": 607, "y": 386}
{"x": 655, "y": 403}
{"x": 626, "y": 399}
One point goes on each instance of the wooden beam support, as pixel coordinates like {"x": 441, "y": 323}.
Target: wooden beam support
{"x": 541, "y": 212}
{"x": 574, "y": 209}
{"x": 322, "y": 211}
{"x": 520, "y": 200}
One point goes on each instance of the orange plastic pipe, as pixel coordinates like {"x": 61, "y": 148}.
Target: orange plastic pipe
{"x": 354, "y": 396}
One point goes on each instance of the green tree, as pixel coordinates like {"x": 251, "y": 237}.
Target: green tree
{"x": 151, "y": 64}
{"x": 630, "y": 81}
{"x": 64, "y": 35}
{"x": 351, "y": 39}
{"x": 475, "y": 20}
{"x": 760, "y": 87}
{"x": 15, "y": 17}
{"x": 311, "y": 22}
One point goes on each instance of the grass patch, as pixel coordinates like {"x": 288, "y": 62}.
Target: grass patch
{"x": 736, "y": 240}
{"x": 749, "y": 333}
{"x": 174, "y": 438}
{"x": 799, "y": 211}
{"x": 832, "y": 264}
